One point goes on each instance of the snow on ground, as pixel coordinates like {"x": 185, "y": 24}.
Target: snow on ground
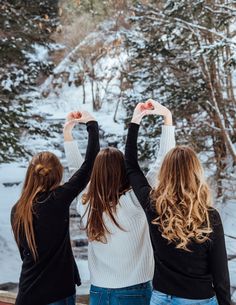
{"x": 228, "y": 215}
{"x": 10, "y": 262}
{"x": 56, "y": 107}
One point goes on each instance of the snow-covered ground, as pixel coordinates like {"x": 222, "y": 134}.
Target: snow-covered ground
{"x": 10, "y": 261}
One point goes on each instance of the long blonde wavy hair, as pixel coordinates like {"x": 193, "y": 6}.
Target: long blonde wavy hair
{"x": 182, "y": 199}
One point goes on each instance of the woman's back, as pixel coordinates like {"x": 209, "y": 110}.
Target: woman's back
{"x": 40, "y": 222}
{"x": 189, "y": 273}
{"x": 186, "y": 232}
{"x": 55, "y": 257}
{"x": 126, "y": 258}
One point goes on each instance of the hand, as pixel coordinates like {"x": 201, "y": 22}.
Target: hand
{"x": 71, "y": 121}
{"x": 139, "y": 113}
{"x": 73, "y": 115}
{"x": 74, "y": 118}
{"x": 158, "y": 108}
{"x": 85, "y": 117}
{"x": 151, "y": 107}
{"x": 162, "y": 110}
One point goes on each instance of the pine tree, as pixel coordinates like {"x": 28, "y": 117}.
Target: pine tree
{"x": 183, "y": 54}
{"x": 24, "y": 24}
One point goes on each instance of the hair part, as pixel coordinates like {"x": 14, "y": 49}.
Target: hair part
{"x": 44, "y": 174}
{"x": 108, "y": 182}
{"x": 182, "y": 199}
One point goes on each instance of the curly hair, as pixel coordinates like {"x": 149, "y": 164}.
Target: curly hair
{"x": 182, "y": 199}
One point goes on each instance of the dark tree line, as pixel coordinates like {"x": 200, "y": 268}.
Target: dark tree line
{"x": 183, "y": 54}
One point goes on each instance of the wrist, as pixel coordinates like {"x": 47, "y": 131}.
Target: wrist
{"x": 168, "y": 118}
{"x": 91, "y": 121}
{"x": 136, "y": 120}
{"x": 67, "y": 135}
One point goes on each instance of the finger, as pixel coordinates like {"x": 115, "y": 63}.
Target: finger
{"x": 77, "y": 115}
{"x": 142, "y": 114}
{"x": 69, "y": 116}
{"x": 142, "y": 107}
{"x": 71, "y": 123}
{"x": 149, "y": 104}
{"x": 150, "y": 112}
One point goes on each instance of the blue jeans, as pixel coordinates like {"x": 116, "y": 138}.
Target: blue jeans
{"x": 159, "y": 298}
{"x": 134, "y": 295}
{"x": 67, "y": 301}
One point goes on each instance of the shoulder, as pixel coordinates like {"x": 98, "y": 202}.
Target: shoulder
{"x": 131, "y": 197}
{"x": 214, "y": 216}
{"x": 13, "y": 211}
{"x": 216, "y": 222}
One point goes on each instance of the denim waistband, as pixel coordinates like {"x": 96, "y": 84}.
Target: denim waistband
{"x": 134, "y": 287}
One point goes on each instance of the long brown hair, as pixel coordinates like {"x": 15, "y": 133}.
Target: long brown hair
{"x": 44, "y": 173}
{"x": 108, "y": 182}
{"x": 182, "y": 199}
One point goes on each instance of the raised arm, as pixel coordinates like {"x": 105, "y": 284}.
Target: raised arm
{"x": 218, "y": 263}
{"x": 167, "y": 142}
{"x": 80, "y": 179}
{"x": 136, "y": 177}
{"x": 73, "y": 155}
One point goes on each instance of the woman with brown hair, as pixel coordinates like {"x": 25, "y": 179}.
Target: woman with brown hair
{"x": 40, "y": 222}
{"x": 186, "y": 231}
{"x": 120, "y": 254}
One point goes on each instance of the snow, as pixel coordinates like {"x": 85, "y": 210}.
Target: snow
{"x": 61, "y": 99}
{"x": 38, "y": 54}
{"x": 12, "y": 173}
{"x": 56, "y": 107}
{"x": 228, "y": 215}
{"x": 9, "y": 255}
{"x": 6, "y": 84}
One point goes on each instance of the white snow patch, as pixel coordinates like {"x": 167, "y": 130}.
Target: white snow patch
{"x": 39, "y": 54}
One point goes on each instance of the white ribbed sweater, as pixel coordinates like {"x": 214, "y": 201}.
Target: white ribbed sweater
{"x": 127, "y": 257}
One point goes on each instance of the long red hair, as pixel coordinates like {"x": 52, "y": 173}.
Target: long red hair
{"x": 43, "y": 174}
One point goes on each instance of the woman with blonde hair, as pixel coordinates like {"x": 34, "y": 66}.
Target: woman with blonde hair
{"x": 40, "y": 222}
{"x": 120, "y": 254}
{"x": 186, "y": 231}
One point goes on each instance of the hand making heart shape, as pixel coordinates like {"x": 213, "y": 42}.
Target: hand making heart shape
{"x": 76, "y": 117}
{"x": 148, "y": 105}
{"x": 148, "y": 108}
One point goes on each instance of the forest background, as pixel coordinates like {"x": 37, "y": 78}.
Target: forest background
{"x": 105, "y": 56}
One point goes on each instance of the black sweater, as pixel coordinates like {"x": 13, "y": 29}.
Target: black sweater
{"x": 199, "y": 274}
{"x": 54, "y": 275}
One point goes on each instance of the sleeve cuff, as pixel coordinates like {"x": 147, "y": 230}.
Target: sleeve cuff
{"x": 70, "y": 145}
{"x": 167, "y": 140}
{"x": 168, "y": 130}
{"x": 134, "y": 126}
{"x": 91, "y": 123}
{"x": 73, "y": 155}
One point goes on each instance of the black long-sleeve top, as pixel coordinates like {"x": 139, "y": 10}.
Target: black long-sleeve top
{"x": 54, "y": 275}
{"x": 199, "y": 274}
